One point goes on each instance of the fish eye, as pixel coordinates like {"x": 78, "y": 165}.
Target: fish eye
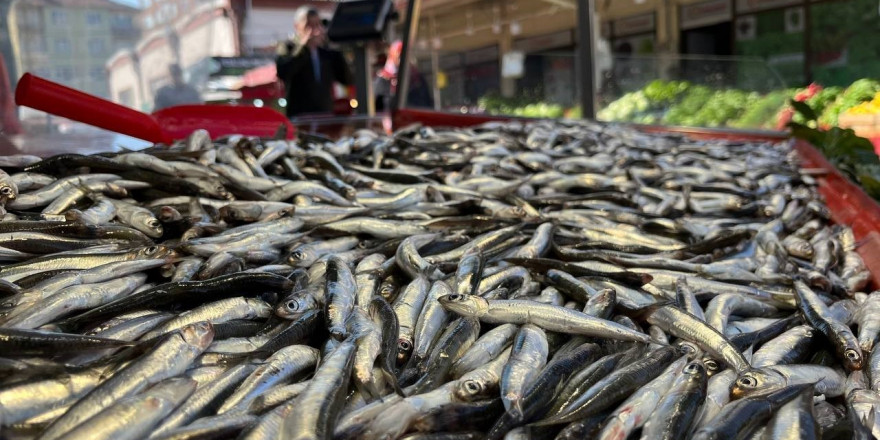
{"x": 455, "y": 297}
{"x": 693, "y": 368}
{"x": 852, "y": 355}
{"x": 748, "y": 382}
{"x": 153, "y": 223}
{"x": 687, "y": 348}
{"x": 710, "y": 364}
{"x": 472, "y": 386}
{"x": 292, "y": 305}
{"x": 151, "y": 250}
{"x": 404, "y": 345}
{"x": 6, "y": 190}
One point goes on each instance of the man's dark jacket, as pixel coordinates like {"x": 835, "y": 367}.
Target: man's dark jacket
{"x": 305, "y": 94}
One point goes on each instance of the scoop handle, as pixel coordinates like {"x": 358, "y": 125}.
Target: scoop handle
{"x": 51, "y": 97}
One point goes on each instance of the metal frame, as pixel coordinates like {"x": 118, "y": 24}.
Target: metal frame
{"x": 586, "y": 63}
{"x": 410, "y": 30}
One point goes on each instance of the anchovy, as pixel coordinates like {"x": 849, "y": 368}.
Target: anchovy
{"x": 548, "y": 317}
{"x": 827, "y": 381}
{"x": 743, "y": 416}
{"x": 686, "y": 326}
{"x": 817, "y": 315}
{"x": 614, "y": 387}
{"x": 633, "y": 412}
{"x": 339, "y": 297}
{"x": 528, "y": 356}
{"x": 676, "y": 412}
{"x": 227, "y": 286}
{"x": 321, "y": 401}
{"x": 135, "y": 416}
{"x": 278, "y": 368}
{"x": 795, "y": 419}
{"x": 169, "y": 358}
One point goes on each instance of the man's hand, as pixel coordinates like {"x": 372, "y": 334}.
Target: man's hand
{"x": 315, "y": 36}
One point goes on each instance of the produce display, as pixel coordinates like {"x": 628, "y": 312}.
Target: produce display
{"x": 520, "y": 106}
{"x": 683, "y": 103}
{"x": 573, "y": 279}
{"x": 851, "y": 154}
{"x": 871, "y": 107}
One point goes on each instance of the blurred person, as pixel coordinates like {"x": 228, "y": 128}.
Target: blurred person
{"x": 176, "y": 93}
{"x": 385, "y": 84}
{"x": 308, "y": 68}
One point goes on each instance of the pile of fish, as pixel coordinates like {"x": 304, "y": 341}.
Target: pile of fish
{"x": 512, "y": 280}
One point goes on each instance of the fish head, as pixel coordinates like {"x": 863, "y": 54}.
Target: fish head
{"x": 853, "y": 358}
{"x": 115, "y": 191}
{"x": 802, "y": 249}
{"x": 8, "y": 192}
{"x": 712, "y": 365}
{"x": 199, "y": 334}
{"x": 475, "y": 385}
{"x": 153, "y": 252}
{"x": 169, "y": 214}
{"x": 240, "y": 213}
{"x": 296, "y": 304}
{"x": 602, "y": 304}
{"x": 691, "y": 350}
{"x": 757, "y": 381}
{"x": 695, "y": 370}
{"x": 301, "y": 256}
{"x": 149, "y": 225}
{"x": 259, "y": 307}
{"x": 511, "y": 212}
{"x": 220, "y": 190}
{"x": 349, "y": 193}
{"x": 465, "y": 305}
{"x": 387, "y": 289}
{"x": 404, "y": 348}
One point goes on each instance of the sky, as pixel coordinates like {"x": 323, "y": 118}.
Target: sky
{"x": 132, "y": 3}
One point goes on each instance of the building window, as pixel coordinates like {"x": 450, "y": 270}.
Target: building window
{"x": 59, "y": 17}
{"x": 32, "y": 17}
{"x": 62, "y": 45}
{"x": 122, "y": 21}
{"x": 93, "y": 18}
{"x": 44, "y": 72}
{"x": 97, "y": 46}
{"x": 96, "y": 73}
{"x": 64, "y": 73}
{"x": 36, "y": 45}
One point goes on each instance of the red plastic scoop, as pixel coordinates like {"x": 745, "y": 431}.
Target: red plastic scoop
{"x": 163, "y": 126}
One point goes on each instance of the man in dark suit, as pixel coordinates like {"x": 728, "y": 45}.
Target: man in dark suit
{"x": 307, "y": 68}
